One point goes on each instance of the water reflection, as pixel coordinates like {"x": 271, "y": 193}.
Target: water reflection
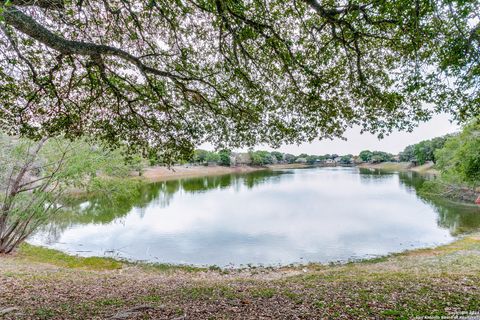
{"x": 457, "y": 217}
{"x": 101, "y": 210}
{"x": 264, "y": 217}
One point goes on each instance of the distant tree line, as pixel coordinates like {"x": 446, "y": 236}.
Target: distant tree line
{"x": 419, "y": 153}
{"x": 259, "y": 158}
{"x": 221, "y": 157}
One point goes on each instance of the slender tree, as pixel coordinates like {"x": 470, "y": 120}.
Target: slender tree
{"x": 35, "y": 175}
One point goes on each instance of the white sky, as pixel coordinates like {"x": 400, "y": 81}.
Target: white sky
{"x": 439, "y": 125}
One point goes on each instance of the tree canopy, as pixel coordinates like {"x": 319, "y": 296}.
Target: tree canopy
{"x": 423, "y": 151}
{"x": 459, "y": 159}
{"x": 375, "y": 156}
{"x": 170, "y": 75}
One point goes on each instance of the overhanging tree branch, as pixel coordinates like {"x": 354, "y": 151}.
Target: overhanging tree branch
{"x": 168, "y": 75}
{"x": 28, "y": 26}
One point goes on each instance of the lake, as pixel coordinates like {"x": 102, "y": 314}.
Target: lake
{"x": 263, "y": 218}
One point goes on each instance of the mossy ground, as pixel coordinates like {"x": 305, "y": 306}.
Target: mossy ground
{"x": 442, "y": 281}
{"x": 43, "y": 255}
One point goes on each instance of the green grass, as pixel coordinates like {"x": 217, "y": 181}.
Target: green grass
{"x": 58, "y": 258}
{"x": 165, "y": 267}
{"x": 45, "y": 313}
{"x": 371, "y": 260}
{"x": 109, "y": 302}
{"x": 55, "y": 257}
{"x": 295, "y": 297}
{"x": 263, "y": 293}
{"x": 152, "y": 298}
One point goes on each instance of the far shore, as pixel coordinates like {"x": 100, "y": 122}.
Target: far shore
{"x": 162, "y": 173}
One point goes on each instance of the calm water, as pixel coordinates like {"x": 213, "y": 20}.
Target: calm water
{"x": 267, "y": 218}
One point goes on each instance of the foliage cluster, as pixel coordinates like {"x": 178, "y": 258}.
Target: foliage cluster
{"x": 204, "y": 157}
{"x": 36, "y": 175}
{"x": 260, "y": 158}
{"x": 170, "y": 75}
{"x": 459, "y": 159}
{"x": 423, "y": 151}
{"x": 375, "y": 156}
{"x": 263, "y": 157}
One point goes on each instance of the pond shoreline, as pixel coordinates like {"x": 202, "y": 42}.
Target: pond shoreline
{"x": 162, "y": 173}
{"x": 61, "y": 258}
{"x": 41, "y": 283}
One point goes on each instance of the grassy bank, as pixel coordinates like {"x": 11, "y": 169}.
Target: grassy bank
{"x": 160, "y": 173}
{"x": 44, "y": 284}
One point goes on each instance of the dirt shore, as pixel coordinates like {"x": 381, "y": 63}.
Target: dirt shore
{"x": 176, "y": 172}
{"x": 40, "y": 284}
{"x": 161, "y": 173}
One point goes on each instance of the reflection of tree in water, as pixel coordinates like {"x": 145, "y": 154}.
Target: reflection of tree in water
{"x": 459, "y": 220}
{"x": 250, "y": 180}
{"x": 101, "y": 210}
{"x": 457, "y": 217}
{"x": 368, "y": 175}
